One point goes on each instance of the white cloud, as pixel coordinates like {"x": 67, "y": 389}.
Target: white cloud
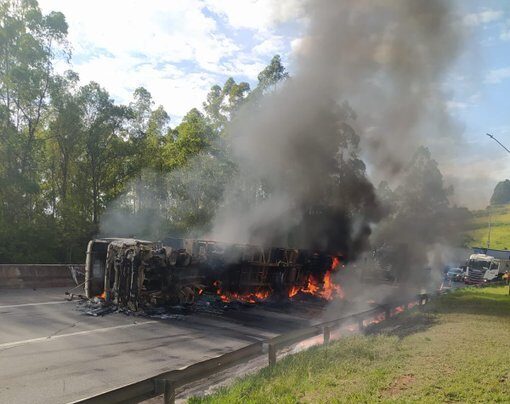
{"x": 245, "y": 67}
{"x": 258, "y": 15}
{"x": 482, "y": 17}
{"x": 177, "y": 49}
{"x": 505, "y": 32}
{"x": 269, "y": 47}
{"x": 159, "y": 32}
{"x": 251, "y": 14}
{"x": 453, "y": 105}
{"x": 497, "y": 75}
{"x": 177, "y": 90}
{"x": 296, "y": 44}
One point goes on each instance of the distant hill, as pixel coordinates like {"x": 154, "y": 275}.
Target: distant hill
{"x": 501, "y": 194}
{"x": 500, "y": 224}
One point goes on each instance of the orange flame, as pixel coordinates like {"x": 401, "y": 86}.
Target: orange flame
{"x": 398, "y": 309}
{"x": 312, "y": 287}
{"x": 327, "y": 290}
{"x": 294, "y": 291}
{"x": 227, "y": 297}
{"x": 330, "y": 289}
{"x": 376, "y": 319}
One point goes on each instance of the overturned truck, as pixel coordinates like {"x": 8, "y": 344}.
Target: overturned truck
{"x": 138, "y": 274}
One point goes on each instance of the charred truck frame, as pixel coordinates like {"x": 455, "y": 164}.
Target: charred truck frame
{"x": 139, "y": 274}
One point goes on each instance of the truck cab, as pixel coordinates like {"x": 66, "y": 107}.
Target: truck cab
{"x": 485, "y": 268}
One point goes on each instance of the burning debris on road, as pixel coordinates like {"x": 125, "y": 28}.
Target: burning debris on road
{"x": 143, "y": 275}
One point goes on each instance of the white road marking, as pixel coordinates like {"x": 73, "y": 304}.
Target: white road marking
{"x": 33, "y": 304}
{"x": 72, "y": 334}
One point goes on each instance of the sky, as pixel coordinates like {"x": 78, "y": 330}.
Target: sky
{"x": 178, "y": 49}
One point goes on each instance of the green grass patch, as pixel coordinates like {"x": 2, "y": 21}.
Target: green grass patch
{"x": 477, "y": 232}
{"x": 456, "y": 349}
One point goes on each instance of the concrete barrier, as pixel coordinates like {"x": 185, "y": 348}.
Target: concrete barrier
{"x": 37, "y": 275}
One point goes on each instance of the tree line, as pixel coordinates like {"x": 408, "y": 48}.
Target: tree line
{"x": 68, "y": 150}
{"x": 75, "y": 164}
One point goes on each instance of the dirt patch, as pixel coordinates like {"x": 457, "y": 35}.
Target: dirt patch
{"x": 401, "y": 383}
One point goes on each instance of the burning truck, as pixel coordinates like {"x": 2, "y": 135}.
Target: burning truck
{"x": 138, "y": 274}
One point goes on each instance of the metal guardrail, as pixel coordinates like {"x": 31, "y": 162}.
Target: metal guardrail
{"x": 166, "y": 383}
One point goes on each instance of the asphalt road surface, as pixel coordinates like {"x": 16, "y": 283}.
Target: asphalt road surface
{"x": 52, "y": 353}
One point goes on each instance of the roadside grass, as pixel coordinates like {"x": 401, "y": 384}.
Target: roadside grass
{"x": 456, "y": 349}
{"x": 500, "y": 227}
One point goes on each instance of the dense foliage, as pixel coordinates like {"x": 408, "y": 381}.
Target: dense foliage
{"x": 67, "y": 151}
{"x": 501, "y": 194}
{"x": 75, "y": 164}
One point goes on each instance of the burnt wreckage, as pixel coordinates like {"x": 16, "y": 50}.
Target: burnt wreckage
{"x": 138, "y": 274}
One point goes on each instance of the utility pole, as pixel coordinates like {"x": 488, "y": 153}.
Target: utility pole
{"x": 489, "y": 234}
{"x": 490, "y": 210}
{"x": 489, "y": 237}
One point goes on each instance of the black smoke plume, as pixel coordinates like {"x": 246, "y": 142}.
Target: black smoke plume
{"x": 366, "y": 82}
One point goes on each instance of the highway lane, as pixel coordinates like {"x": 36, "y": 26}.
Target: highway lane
{"x": 52, "y": 353}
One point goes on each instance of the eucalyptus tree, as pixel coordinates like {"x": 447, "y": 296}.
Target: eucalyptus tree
{"x": 29, "y": 44}
{"x": 64, "y": 136}
{"x": 222, "y": 102}
{"x": 272, "y": 74}
{"x": 102, "y": 126}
